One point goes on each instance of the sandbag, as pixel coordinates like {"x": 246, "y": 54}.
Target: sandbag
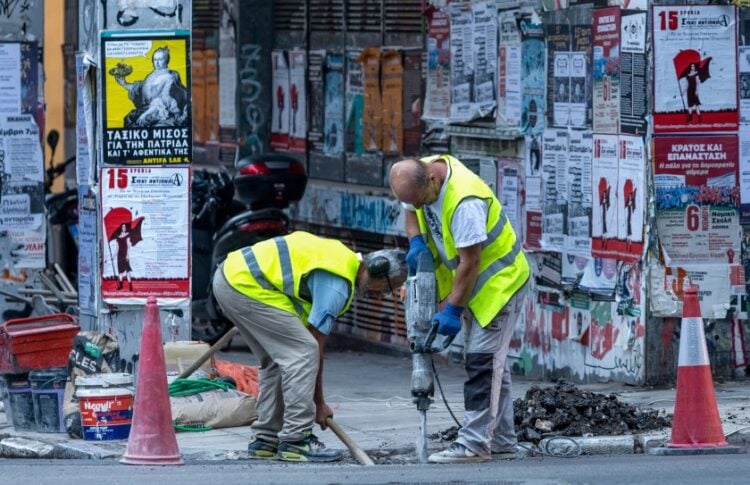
{"x": 217, "y": 409}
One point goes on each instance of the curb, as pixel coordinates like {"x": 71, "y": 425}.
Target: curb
{"x": 20, "y": 447}
{"x": 602, "y": 445}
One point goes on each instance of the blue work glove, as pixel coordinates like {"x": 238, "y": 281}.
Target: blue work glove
{"x": 416, "y": 246}
{"x": 449, "y": 320}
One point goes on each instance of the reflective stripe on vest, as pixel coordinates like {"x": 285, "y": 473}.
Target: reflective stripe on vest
{"x": 496, "y": 267}
{"x": 492, "y": 236}
{"x": 286, "y": 270}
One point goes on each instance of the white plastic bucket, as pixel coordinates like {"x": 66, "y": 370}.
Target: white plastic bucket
{"x": 106, "y": 404}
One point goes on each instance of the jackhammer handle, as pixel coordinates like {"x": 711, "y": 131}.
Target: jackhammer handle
{"x": 445, "y": 343}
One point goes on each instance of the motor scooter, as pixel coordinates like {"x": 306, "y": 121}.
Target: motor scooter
{"x": 264, "y": 186}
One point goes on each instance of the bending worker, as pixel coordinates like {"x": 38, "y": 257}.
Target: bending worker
{"x": 283, "y": 294}
{"x": 481, "y": 273}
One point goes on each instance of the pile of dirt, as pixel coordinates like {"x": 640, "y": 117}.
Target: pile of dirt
{"x": 565, "y": 410}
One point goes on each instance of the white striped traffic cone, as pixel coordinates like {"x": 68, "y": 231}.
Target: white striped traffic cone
{"x": 696, "y": 425}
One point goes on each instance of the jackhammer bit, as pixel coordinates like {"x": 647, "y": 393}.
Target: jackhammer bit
{"x": 421, "y": 305}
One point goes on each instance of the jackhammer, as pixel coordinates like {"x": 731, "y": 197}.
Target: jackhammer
{"x": 421, "y": 304}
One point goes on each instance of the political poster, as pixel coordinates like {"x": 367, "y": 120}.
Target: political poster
{"x": 280, "y": 105}
{"x": 532, "y": 228}
{"x": 695, "y": 68}
{"x": 630, "y": 197}
{"x": 19, "y": 78}
{"x": 297, "y": 101}
{"x": 697, "y": 199}
{"x": 355, "y": 104}
{"x": 604, "y": 209}
{"x": 606, "y": 52}
{"x": 580, "y": 192}
{"x": 633, "y": 63}
{"x": 509, "y": 71}
{"x": 437, "y": 100}
{"x": 146, "y": 92}
{"x": 145, "y": 220}
{"x": 333, "y": 136}
{"x": 21, "y": 174}
{"x": 533, "y": 76}
{"x": 554, "y": 189}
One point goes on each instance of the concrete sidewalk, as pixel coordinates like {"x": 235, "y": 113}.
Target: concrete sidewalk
{"x": 369, "y": 394}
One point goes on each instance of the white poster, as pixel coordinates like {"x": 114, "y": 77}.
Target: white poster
{"x": 604, "y": 210}
{"x": 580, "y": 192}
{"x": 146, "y": 234}
{"x": 10, "y": 78}
{"x": 510, "y": 181}
{"x": 744, "y": 66}
{"x": 561, "y": 97}
{"x": 84, "y": 121}
{"x": 227, "y": 92}
{"x": 21, "y": 174}
{"x": 30, "y": 252}
{"x": 630, "y": 197}
{"x": 554, "y": 189}
{"x": 509, "y": 65}
{"x": 280, "y": 104}
{"x": 695, "y": 68}
{"x": 462, "y": 63}
{"x": 485, "y": 58}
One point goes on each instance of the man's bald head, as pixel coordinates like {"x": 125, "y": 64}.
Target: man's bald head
{"x": 408, "y": 176}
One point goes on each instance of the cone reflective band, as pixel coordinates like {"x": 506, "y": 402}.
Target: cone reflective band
{"x": 696, "y": 422}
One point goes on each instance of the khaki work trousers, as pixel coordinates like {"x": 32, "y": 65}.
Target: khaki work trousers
{"x": 289, "y": 360}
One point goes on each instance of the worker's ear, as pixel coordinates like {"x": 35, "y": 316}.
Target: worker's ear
{"x": 378, "y": 266}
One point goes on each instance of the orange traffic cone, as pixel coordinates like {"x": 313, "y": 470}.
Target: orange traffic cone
{"x": 696, "y": 426}
{"x": 152, "y": 438}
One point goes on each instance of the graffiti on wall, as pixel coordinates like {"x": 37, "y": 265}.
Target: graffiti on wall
{"x": 146, "y": 14}
{"x": 251, "y": 106}
{"x": 585, "y": 341}
{"x": 22, "y": 18}
{"x": 328, "y": 206}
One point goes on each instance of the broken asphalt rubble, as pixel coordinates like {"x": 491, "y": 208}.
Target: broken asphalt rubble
{"x": 380, "y": 417}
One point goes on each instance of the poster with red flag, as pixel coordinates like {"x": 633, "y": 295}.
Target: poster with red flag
{"x": 145, "y": 234}
{"x": 695, "y": 68}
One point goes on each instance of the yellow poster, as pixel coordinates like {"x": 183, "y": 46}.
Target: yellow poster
{"x": 146, "y": 109}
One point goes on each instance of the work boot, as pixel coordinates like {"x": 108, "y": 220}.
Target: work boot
{"x": 262, "y": 449}
{"x": 309, "y": 448}
{"x": 505, "y": 453}
{"x": 456, "y": 453}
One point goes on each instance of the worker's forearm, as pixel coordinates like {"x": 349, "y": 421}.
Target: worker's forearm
{"x": 463, "y": 283}
{"x": 412, "y": 224}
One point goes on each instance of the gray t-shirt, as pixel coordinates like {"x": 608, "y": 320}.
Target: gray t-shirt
{"x": 330, "y": 293}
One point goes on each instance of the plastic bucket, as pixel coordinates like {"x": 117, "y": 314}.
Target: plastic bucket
{"x": 47, "y": 393}
{"x": 106, "y": 404}
{"x": 21, "y": 412}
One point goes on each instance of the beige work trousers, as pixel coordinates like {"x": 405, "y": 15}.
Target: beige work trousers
{"x": 289, "y": 360}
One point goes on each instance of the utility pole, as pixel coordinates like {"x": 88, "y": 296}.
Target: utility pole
{"x": 134, "y": 150}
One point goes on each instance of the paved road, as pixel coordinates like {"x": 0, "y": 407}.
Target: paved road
{"x": 627, "y": 469}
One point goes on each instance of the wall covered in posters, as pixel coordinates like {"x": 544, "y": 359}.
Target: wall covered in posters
{"x": 146, "y": 93}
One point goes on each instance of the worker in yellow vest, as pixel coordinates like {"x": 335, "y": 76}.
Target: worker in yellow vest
{"x": 283, "y": 294}
{"x": 481, "y": 273}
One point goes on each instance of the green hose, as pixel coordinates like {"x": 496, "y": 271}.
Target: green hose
{"x": 188, "y": 387}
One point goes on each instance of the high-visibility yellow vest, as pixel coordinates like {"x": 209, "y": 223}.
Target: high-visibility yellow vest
{"x": 273, "y": 271}
{"x": 503, "y": 268}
